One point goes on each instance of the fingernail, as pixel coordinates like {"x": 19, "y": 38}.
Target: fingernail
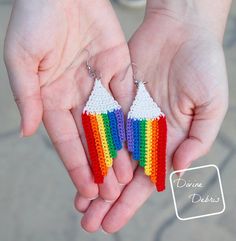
{"x": 21, "y": 130}
{"x": 76, "y": 209}
{"x": 93, "y": 198}
{"x": 108, "y": 201}
{"x": 84, "y": 230}
{"x": 180, "y": 174}
{"x": 103, "y": 231}
{"x": 21, "y": 133}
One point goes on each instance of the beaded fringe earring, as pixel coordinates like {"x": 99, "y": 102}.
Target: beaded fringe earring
{"x": 147, "y": 136}
{"x": 103, "y": 123}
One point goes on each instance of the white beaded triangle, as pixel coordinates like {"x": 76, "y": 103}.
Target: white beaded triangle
{"x": 143, "y": 106}
{"x": 100, "y": 100}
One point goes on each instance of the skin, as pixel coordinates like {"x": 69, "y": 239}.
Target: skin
{"x": 183, "y": 65}
{"x": 185, "y": 69}
{"x": 45, "y": 59}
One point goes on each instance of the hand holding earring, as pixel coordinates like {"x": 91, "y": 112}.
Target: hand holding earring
{"x": 47, "y": 89}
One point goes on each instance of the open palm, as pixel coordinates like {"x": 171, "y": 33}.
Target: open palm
{"x": 183, "y": 65}
{"x": 46, "y": 65}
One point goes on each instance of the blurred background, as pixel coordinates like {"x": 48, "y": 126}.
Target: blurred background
{"x": 36, "y": 194}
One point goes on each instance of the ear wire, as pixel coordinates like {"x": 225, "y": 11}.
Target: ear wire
{"x": 136, "y": 80}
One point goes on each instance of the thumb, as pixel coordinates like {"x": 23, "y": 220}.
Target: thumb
{"x": 203, "y": 131}
{"x": 24, "y": 82}
{"x": 123, "y": 88}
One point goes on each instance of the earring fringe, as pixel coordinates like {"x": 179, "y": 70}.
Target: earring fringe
{"x": 147, "y": 136}
{"x": 103, "y": 122}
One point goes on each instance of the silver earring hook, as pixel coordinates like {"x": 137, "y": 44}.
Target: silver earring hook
{"x": 91, "y": 71}
{"x": 88, "y": 57}
{"x": 136, "y": 80}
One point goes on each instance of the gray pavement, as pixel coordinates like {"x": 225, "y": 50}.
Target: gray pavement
{"x": 36, "y": 195}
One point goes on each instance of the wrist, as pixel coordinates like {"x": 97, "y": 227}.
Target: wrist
{"x": 212, "y": 15}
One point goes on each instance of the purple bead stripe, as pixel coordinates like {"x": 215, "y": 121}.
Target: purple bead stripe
{"x": 121, "y": 125}
{"x": 130, "y": 138}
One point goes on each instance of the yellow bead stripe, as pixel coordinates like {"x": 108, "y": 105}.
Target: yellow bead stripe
{"x": 148, "y": 162}
{"x": 108, "y": 159}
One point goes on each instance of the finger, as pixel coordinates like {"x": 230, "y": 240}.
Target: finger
{"x": 97, "y": 210}
{"x": 123, "y": 90}
{"x": 81, "y": 203}
{"x": 63, "y": 132}
{"x": 23, "y": 76}
{"x": 203, "y": 132}
{"x": 94, "y": 214}
{"x": 131, "y": 199}
{"x": 122, "y": 167}
{"x": 109, "y": 189}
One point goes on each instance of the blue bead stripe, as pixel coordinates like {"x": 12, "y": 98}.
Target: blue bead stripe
{"x": 114, "y": 130}
{"x": 136, "y": 151}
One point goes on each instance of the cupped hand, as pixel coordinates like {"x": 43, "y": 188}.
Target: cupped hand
{"x": 184, "y": 67}
{"x": 45, "y": 59}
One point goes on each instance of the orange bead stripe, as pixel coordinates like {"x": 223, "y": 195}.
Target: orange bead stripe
{"x": 98, "y": 143}
{"x": 155, "y": 134}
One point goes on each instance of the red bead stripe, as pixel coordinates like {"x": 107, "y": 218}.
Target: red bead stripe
{"x": 161, "y": 170}
{"x": 98, "y": 177}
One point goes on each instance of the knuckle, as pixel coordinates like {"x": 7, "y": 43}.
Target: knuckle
{"x": 27, "y": 98}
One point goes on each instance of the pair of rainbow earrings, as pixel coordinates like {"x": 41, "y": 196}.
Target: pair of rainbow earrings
{"x": 146, "y": 131}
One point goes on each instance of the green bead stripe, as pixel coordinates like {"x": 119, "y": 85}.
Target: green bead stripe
{"x": 112, "y": 151}
{"x": 142, "y": 143}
